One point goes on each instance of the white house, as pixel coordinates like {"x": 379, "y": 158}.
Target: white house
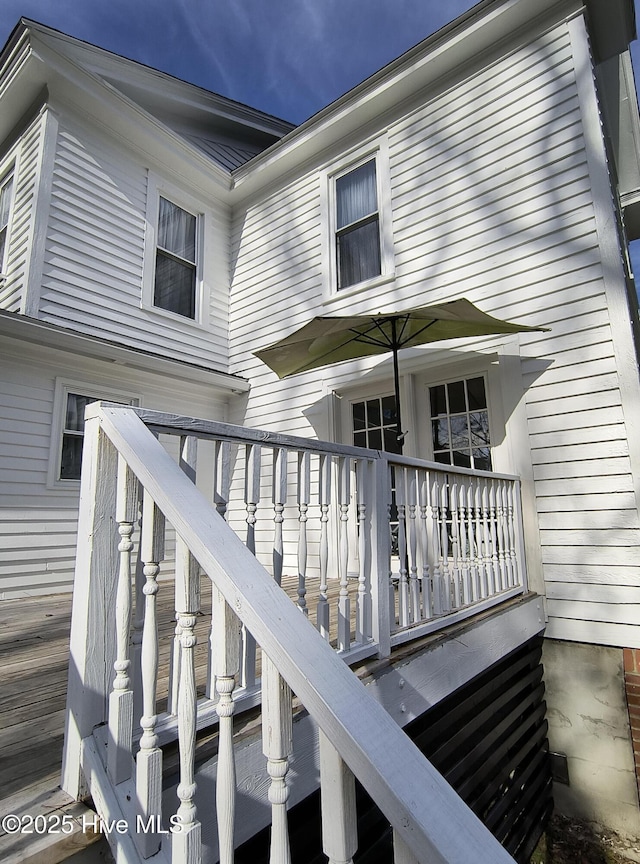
{"x": 154, "y": 236}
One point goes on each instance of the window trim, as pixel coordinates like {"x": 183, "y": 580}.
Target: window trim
{"x": 157, "y": 189}
{"x": 378, "y": 152}
{"x": 8, "y": 171}
{"x": 63, "y": 387}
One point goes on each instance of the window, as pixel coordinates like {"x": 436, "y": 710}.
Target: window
{"x": 73, "y": 435}
{"x": 460, "y": 424}
{"x": 357, "y": 226}
{"x": 6, "y": 194}
{"x": 67, "y": 439}
{"x": 176, "y": 267}
{"x": 375, "y": 424}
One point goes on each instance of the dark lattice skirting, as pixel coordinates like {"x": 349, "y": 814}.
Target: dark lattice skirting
{"x": 488, "y": 739}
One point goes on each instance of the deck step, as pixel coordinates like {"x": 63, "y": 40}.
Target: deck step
{"x": 53, "y": 827}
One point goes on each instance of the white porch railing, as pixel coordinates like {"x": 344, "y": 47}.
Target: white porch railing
{"x": 455, "y": 552}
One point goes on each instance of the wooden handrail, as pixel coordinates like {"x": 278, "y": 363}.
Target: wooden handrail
{"x": 432, "y": 821}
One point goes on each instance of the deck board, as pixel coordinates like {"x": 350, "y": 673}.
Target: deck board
{"x": 34, "y": 662}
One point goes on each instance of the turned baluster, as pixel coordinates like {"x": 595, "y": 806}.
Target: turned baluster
{"x": 226, "y": 658}
{"x": 221, "y": 484}
{"x": 498, "y": 575}
{"x": 277, "y": 745}
{"x": 486, "y": 542}
{"x": 324, "y": 495}
{"x": 221, "y": 475}
{"x": 187, "y": 841}
{"x": 444, "y": 547}
{"x": 138, "y": 623}
{"x": 403, "y": 583}
{"x": 304, "y": 484}
{"x": 338, "y": 804}
{"x": 279, "y": 496}
{"x": 464, "y": 545}
{"x": 503, "y": 542}
{"x": 188, "y": 462}
{"x": 344, "y": 606}
{"x": 517, "y": 577}
{"x": 252, "y": 499}
{"x": 425, "y": 545}
{"x": 149, "y": 758}
{"x": 363, "y": 596}
{"x": 414, "y": 587}
{"x": 481, "y": 573}
{"x": 121, "y": 697}
{"x": 455, "y": 545}
{"x": 435, "y": 554}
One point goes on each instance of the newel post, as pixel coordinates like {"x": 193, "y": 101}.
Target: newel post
{"x": 380, "y": 556}
{"x": 92, "y": 640}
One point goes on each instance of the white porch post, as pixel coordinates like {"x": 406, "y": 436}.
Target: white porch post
{"x": 92, "y": 642}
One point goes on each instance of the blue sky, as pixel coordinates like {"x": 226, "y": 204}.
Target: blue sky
{"x": 287, "y": 57}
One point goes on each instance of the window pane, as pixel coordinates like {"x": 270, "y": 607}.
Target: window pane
{"x": 477, "y": 397}
{"x": 375, "y": 439}
{"x": 438, "y": 400}
{"x": 440, "y": 430}
{"x": 457, "y": 403}
{"x": 175, "y": 288}
{"x": 360, "y": 439}
{"x": 3, "y": 240}
{"x": 359, "y": 254}
{"x": 442, "y": 457}
{"x": 74, "y": 417}
{"x": 462, "y": 458}
{"x": 356, "y": 195}
{"x": 5, "y": 201}
{"x": 391, "y": 443}
{"x": 373, "y": 413}
{"x": 482, "y": 459}
{"x": 459, "y": 432}
{"x": 389, "y": 414}
{"x": 479, "y": 428}
{"x": 357, "y": 410}
{"x": 177, "y": 230}
{"x": 71, "y": 457}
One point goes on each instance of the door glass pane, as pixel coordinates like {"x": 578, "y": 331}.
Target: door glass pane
{"x": 460, "y": 435}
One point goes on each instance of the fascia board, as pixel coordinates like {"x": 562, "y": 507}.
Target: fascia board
{"x": 430, "y": 63}
{"x": 33, "y": 331}
{"x": 112, "y": 110}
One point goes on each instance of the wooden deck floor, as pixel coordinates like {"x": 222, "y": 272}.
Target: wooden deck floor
{"x": 34, "y": 659}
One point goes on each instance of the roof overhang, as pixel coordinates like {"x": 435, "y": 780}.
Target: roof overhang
{"x": 30, "y": 330}
{"x": 432, "y": 65}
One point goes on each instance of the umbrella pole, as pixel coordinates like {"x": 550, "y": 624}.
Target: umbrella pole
{"x": 396, "y": 384}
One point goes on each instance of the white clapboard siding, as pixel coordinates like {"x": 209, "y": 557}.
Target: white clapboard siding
{"x": 491, "y": 199}
{"x": 38, "y": 519}
{"x": 27, "y": 153}
{"x": 94, "y": 255}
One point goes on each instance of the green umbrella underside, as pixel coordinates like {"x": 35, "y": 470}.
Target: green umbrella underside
{"x": 332, "y": 339}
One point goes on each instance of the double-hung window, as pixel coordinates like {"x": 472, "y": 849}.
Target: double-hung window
{"x": 176, "y": 260}
{"x": 358, "y": 250}
{"x": 6, "y": 195}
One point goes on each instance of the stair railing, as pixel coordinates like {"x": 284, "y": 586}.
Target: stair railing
{"x": 122, "y": 463}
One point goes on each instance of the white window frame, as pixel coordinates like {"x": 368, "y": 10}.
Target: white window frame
{"x": 63, "y": 387}
{"x": 378, "y": 152}
{"x": 7, "y": 171}
{"x": 157, "y": 189}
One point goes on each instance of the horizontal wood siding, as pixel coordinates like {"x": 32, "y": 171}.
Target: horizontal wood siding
{"x": 38, "y": 520}
{"x": 95, "y": 250}
{"x": 27, "y": 152}
{"x": 491, "y": 199}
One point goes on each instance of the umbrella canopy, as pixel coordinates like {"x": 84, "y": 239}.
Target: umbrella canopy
{"x": 327, "y": 340}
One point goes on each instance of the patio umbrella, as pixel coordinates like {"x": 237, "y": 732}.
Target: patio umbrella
{"x": 326, "y": 340}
